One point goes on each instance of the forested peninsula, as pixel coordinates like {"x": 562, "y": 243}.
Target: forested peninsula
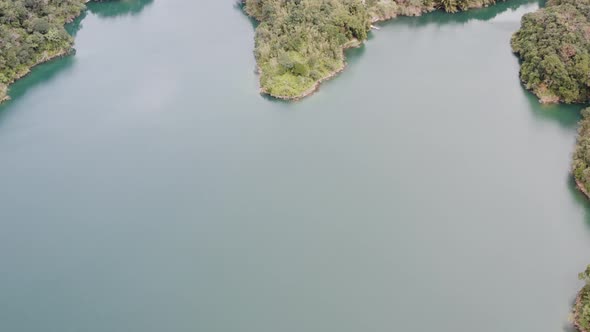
{"x": 300, "y": 43}
{"x": 554, "y": 46}
{"x": 32, "y": 32}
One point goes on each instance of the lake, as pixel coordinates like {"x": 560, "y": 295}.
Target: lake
{"x": 148, "y": 186}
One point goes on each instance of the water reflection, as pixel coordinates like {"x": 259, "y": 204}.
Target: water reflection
{"x": 482, "y": 14}
{"x": 579, "y": 198}
{"x": 108, "y": 9}
{"x": 567, "y": 116}
{"x": 239, "y": 5}
{"x": 76, "y": 25}
{"x": 41, "y": 75}
{"x": 118, "y": 8}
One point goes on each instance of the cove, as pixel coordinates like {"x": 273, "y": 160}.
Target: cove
{"x": 146, "y": 186}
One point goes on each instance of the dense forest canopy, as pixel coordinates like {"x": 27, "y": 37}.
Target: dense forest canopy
{"x": 299, "y": 43}
{"x": 554, "y": 45}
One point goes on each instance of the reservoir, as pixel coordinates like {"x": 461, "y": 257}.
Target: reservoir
{"x": 147, "y": 186}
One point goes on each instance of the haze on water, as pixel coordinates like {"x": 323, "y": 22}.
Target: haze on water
{"x": 147, "y": 186}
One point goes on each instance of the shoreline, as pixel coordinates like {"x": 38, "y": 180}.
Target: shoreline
{"x": 581, "y": 188}
{"x": 44, "y": 59}
{"x": 355, "y": 44}
{"x": 306, "y": 93}
{"x": 576, "y": 310}
{"x": 544, "y": 97}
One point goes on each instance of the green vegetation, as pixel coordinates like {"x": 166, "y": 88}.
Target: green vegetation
{"x": 554, "y": 46}
{"x": 300, "y": 43}
{"x": 582, "y": 308}
{"x": 31, "y": 32}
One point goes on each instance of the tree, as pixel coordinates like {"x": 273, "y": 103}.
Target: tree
{"x": 41, "y": 25}
{"x": 585, "y": 276}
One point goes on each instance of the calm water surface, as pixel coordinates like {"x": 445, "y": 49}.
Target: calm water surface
{"x": 146, "y": 186}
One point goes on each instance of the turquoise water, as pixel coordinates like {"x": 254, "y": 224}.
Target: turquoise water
{"x": 147, "y": 186}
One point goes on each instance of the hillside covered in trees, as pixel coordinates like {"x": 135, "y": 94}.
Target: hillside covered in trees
{"x": 554, "y": 46}
{"x": 31, "y": 32}
{"x": 300, "y": 43}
